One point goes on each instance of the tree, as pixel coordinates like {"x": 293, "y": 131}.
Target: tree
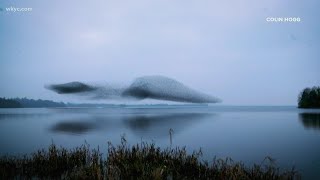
{"x": 28, "y": 103}
{"x": 309, "y": 98}
{"x": 9, "y": 103}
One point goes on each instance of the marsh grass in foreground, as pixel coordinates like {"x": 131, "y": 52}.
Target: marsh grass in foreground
{"x": 140, "y": 161}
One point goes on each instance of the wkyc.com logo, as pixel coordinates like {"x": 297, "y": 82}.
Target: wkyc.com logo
{"x": 15, "y": 9}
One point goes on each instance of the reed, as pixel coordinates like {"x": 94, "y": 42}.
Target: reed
{"x": 140, "y": 161}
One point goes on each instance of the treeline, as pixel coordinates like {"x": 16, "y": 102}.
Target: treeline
{"x": 309, "y": 98}
{"x": 28, "y": 103}
{"x": 9, "y": 103}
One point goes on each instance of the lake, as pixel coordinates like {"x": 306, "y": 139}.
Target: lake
{"x": 245, "y": 133}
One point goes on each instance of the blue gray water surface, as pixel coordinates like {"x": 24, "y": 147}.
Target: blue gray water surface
{"x": 244, "y": 133}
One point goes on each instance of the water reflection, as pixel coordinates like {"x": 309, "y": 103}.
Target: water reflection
{"x": 310, "y": 120}
{"x": 73, "y": 127}
{"x": 158, "y": 125}
{"x": 83, "y": 124}
{"x": 19, "y": 117}
{"x": 152, "y": 125}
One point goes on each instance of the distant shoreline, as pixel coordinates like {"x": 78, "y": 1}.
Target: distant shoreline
{"x": 31, "y": 103}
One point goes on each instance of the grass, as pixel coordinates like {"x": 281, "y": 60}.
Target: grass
{"x": 140, "y": 161}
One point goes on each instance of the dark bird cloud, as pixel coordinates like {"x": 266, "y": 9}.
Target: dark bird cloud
{"x": 70, "y": 88}
{"x": 151, "y": 87}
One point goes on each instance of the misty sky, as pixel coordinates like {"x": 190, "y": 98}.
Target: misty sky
{"x": 223, "y": 48}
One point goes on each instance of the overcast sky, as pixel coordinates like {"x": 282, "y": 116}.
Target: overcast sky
{"x": 223, "y": 48}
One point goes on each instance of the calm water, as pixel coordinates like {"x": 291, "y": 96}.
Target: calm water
{"x": 248, "y": 134}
